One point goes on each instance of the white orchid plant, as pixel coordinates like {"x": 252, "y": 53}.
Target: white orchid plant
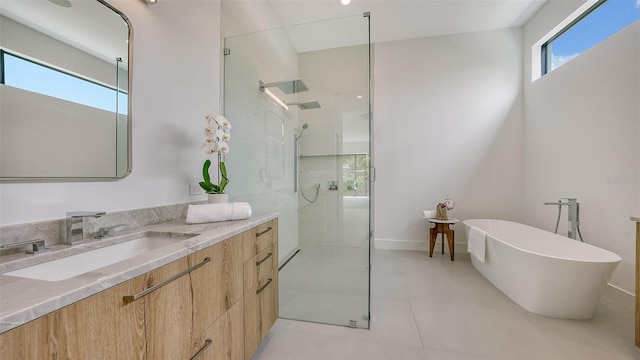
{"x": 218, "y": 133}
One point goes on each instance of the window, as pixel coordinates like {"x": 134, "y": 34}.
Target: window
{"x": 28, "y": 75}
{"x": 355, "y": 169}
{"x": 597, "y": 23}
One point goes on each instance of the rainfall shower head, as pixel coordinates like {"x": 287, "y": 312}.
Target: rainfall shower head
{"x": 306, "y": 105}
{"x": 288, "y": 86}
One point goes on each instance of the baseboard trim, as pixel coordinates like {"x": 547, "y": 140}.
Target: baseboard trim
{"x": 621, "y": 289}
{"x": 413, "y": 245}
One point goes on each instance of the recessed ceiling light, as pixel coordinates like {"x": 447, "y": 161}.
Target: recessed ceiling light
{"x": 359, "y": 96}
{"x": 344, "y": 2}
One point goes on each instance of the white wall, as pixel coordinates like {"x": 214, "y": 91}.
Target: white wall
{"x": 448, "y": 121}
{"x": 581, "y": 138}
{"x": 176, "y": 78}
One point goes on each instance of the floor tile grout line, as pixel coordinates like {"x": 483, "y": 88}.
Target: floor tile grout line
{"x": 415, "y": 322}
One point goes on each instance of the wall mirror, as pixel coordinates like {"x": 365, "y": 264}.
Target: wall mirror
{"x": 65, "y": 90}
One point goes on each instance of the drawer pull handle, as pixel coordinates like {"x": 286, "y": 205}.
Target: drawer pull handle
{"x": 129, "y": 298}
{"x": 263, "y": 260}
{"x": 207, "y": 343}
{"x": 264, "y": 232}
{"x": 264, "y": 286}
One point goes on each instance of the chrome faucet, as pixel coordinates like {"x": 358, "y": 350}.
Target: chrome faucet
{"x": 75, "y": 228}
{"x": 37, "y": 246}
{"x": 573, "y": 230}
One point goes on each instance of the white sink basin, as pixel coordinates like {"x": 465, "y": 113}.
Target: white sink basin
{"x": 78, "y": 264}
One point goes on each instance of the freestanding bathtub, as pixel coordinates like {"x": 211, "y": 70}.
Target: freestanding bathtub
{"x": 543, "y": 272}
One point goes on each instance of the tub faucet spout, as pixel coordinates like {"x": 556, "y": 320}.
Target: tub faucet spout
{"x": 574, "y": 216}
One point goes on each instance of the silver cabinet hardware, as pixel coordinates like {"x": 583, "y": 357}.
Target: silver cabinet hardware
{"x": 263, "y": 260}
{"x": 129, "y": 298}
{"x": 37, "y": 245}
{"x": 264, "y": 286}
{"x": 207, "y": 343}
{"x": 264, "y": 232}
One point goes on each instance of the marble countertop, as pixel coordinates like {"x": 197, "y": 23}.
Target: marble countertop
{"x": 23, "y": 299}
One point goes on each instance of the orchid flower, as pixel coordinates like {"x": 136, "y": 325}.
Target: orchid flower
{"x": 223, "y": 147}
{"x": 217, "y": 133}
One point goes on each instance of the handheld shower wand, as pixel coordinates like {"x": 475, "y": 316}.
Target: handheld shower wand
{"x": 298, "y": 136}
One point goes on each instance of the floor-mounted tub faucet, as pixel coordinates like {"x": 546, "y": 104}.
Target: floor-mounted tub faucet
{"x": 573, "y": 230}
{"x": 75, "y": 228}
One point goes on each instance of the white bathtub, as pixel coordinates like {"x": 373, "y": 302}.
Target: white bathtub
{"x": 545, "y": 273}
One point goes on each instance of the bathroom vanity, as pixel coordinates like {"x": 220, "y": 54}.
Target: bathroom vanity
{"x": 210, "y": 296}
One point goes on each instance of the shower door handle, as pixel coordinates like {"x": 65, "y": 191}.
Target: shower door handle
{"x": 372, "y": 173}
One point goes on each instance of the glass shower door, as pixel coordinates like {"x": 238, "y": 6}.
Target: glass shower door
{"x": 315, "y": 77}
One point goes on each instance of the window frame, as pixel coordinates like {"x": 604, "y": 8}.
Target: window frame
{"x": 545, "y": 53}
{"x": 4, "y": 52}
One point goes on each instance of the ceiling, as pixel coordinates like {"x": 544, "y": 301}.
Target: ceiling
{"x": 401, "y": 19}
{"x": 390, "y": 19}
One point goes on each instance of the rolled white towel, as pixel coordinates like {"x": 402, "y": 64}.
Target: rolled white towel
{"x": 199, "y": 214}
{"x": 477, "y": 242}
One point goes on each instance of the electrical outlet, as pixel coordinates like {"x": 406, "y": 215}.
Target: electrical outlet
{"x": 194, "y": 189}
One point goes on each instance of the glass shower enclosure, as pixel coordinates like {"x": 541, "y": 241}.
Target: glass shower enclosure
{"x": 299, "y": 100}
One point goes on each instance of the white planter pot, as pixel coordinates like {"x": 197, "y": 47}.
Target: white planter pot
{"x": 218, "y": 198}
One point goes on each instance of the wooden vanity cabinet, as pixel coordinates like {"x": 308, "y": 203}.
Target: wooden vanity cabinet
{"x": 261, "y": 285}
{"x": 221, "y": 341}
{"x": 225, "y": 271}
{"x": 168, "y": 311}
{"x": 99, "y": 327}
{"x": 173, "y": 321}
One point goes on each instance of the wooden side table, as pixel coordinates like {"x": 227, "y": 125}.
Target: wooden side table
{"x": 442, "y": 228}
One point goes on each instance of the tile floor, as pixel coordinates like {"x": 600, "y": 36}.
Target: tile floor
{"x": 326, "y": 284}
{"x": 432, "y": 308}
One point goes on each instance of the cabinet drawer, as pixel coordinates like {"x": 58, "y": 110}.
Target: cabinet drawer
{"x": 259, "y": 268}
{"x": 224, "y": 340}
{"x": 260, "y": 313}
{"x": 168, "y": 311}
{"x": 258, "y": 238}
{"x": 217, "y": 285}
{"x": 209, "y": 345}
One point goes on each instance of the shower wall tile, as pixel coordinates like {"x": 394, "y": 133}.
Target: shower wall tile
{"x": 261, "y": 161}
{"x": 336, "y": 77}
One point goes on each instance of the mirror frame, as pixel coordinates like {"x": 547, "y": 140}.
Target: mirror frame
{"x": 129, "y": 120}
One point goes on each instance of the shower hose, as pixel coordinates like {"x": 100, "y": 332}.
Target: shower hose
{"x": 317, "y": 186}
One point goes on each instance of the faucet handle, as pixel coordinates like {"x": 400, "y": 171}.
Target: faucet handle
{"x": 104, "y": 231}
{"x": 37, "y": 246}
